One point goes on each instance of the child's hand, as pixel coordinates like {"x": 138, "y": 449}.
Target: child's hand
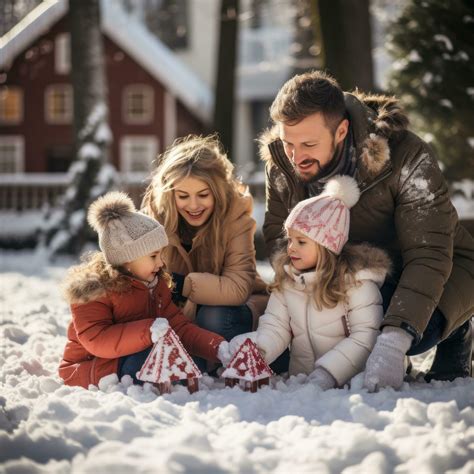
{"x": 158, "y": 329}
{"x": 237, "y": 341}
{"x": 322, "y": 378}
{"x": 223, "y": 353}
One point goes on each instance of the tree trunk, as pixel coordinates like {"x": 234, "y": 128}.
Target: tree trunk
{"x": 347, "y": 42}
{"x": 226, "y": 67}
{"x": 306, "y": 45}
{"x": 66, "y": 228}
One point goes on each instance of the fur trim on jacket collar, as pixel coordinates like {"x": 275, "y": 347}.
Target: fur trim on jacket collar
{"x": 367, "y": 258}
{"x": 92, "y": 279}
{"x": 374, "y": 119}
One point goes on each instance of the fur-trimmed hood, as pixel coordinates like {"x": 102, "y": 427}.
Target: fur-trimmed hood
{"x": 375, "y": 119}
{"x": 92, "y": 279}
{"x": 366, "y": 261}
{"x": 369, "y": 262}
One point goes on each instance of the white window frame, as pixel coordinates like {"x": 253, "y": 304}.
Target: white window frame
{"x": 6, "y": 121}
{"x": 126, "y": 157}
{"x": 18, "y": 141}
{"x": 149, "y": 103}
{"x": 48, "y": 93}
{"x": 62, "y": 53}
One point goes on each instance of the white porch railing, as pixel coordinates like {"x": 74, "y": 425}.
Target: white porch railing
{"x": 30, "y": 191}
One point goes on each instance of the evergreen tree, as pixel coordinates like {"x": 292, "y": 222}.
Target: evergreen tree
{"x": 432, "y": 42}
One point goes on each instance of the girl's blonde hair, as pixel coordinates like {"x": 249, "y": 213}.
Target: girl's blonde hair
{"x": 335, "y": 274}
{"x": 201, "y": 158}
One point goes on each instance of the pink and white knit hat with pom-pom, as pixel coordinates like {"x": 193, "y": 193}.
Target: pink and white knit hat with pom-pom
{"x": 325, "y": 218}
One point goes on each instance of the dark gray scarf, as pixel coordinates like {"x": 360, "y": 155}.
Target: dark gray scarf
{"x": 343, "y": 163}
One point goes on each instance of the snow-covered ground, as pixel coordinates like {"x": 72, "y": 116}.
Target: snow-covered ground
{"x": 290, "y": 427}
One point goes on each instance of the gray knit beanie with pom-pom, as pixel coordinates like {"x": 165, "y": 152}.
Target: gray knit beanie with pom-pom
{"x": 124, "y": 233}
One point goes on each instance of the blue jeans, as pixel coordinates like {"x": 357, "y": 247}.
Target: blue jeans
{"x": 432, "y": 335}
{"x": 131, "y": 364}
{"x": 227, "y": 321}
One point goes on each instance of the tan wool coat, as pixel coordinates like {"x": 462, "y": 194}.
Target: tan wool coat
{"x": 237, "y": 282}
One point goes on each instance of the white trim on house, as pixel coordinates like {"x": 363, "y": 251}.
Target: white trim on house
{"x": 138, "y": 104}
{"x": 62, "y": 53}
{"x": 16, "y": 143}
{"x": 29, "y": 29}
{"x": 170, "y": 120}
{"x": 155, "y": 57}
{"x": 140, "y": 44}
{"x": 55, "y": 116}
{"x": 4, "y": 91}
{"x": 137, "y": 153}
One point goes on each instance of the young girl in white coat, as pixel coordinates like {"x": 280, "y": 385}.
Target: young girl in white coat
{"x": 325, "y": 301}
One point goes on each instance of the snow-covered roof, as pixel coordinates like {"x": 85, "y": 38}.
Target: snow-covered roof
{"x": 131, "y": 36}
{"x": 30, "y": 28}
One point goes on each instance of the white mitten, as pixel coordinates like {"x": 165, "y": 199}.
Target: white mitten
{"x": 237, "y": 341}
{"x": 158, "y": 329}
{"x": 322, "y": 378}
{"x": 385, "y": 365}
{"x": 223, "y": 353}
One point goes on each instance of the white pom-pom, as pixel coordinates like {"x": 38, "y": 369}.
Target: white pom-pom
{"x": 344, "y": 188}
{"x": 111, "y": 206}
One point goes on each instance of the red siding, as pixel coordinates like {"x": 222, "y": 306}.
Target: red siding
{"x": 33, "y": 71}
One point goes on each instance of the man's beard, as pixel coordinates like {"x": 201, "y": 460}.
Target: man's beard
{"x": 321, "y": 169}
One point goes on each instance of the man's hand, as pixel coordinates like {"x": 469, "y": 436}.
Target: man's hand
{"x": 385, "y": 365}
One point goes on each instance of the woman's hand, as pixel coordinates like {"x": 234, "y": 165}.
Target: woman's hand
{"x": 177, "y": 292}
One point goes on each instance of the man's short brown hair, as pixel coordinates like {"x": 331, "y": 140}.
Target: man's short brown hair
{"x": 306, "y": 94}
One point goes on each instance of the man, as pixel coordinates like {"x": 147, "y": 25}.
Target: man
{"x": 404, "y": 208}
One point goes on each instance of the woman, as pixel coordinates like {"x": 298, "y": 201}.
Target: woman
{"x": 206, "y": 213}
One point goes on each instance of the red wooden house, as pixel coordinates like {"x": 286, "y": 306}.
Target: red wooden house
{"x": 153, "y": 96}
{"x": 169, "y": 362}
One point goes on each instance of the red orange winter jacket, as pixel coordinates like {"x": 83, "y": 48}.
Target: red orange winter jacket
{"x": 117, "y": 323}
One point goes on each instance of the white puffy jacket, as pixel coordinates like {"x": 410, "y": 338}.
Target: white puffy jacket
{"x": 338, "y": 339}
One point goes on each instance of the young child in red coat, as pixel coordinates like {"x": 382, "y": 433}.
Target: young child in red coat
{"x": 121, "y": 299}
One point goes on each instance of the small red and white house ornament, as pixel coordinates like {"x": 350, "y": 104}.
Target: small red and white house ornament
{"x": 169, "y": 362}
{"x": 247, "y": 368}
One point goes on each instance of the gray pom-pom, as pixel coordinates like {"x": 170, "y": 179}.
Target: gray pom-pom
{"x": 114, "y": 205}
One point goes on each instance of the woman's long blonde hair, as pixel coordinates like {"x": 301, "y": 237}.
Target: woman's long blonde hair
{"x": 335, "y": 273}
{"x": 201, "y": 158}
